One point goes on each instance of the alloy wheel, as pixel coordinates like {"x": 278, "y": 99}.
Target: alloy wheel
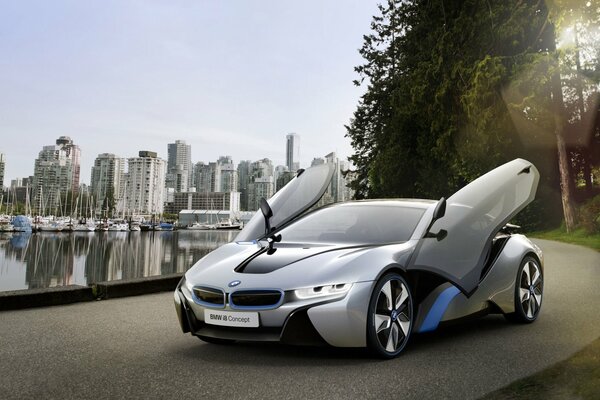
{"x": 391, "y": 316}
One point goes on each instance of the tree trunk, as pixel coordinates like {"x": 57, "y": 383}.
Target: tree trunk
{"x": 559, "y": 124}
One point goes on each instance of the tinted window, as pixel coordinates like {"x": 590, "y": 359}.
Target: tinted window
{"x": 355, "y": 224}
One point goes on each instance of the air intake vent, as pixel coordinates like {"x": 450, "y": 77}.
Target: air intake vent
{"x": 211, "y": 296}
{"x": 255, "y": 298}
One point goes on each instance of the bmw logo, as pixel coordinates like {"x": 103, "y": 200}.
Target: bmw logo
{"x": 234, "y": 283}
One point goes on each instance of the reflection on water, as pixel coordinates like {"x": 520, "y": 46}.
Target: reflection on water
{"x": 30, "y": 261}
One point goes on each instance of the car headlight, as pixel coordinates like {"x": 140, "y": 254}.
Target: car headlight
{"x": 322, "y": 291}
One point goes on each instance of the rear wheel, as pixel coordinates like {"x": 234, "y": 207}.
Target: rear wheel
{"x": 529, "y": 289}
{"x": 390, "y": 318}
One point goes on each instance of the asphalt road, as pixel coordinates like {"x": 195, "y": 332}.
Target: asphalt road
{"x": 133, "y": 348}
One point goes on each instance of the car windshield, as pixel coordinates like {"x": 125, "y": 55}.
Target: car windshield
{"x": 355, "y": 224}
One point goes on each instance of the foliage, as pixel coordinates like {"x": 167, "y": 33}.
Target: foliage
{"x": 453, "y": 89}
{"x": 589, "y": 215}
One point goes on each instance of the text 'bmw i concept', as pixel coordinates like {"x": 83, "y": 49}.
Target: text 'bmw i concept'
{"x": 368, "y": 273}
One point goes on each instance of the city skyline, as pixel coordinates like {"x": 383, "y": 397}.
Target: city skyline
{"x": 132, "y": 76}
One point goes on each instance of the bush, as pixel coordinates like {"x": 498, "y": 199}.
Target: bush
{"x": 589, "y": 215}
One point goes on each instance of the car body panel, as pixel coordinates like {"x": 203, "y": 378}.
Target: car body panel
{"x": 473, "y": 216}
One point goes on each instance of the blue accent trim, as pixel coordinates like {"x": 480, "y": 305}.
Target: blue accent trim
{"x": 436, "y": 312}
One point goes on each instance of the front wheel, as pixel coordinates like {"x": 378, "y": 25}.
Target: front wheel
{"x": 529, "y": 289}
{"x": 390, "y": 318}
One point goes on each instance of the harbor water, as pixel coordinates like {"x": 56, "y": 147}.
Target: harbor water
{"x": 48, "y": 259}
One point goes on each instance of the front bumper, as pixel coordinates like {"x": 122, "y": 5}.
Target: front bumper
{"x": 336, "y": 321}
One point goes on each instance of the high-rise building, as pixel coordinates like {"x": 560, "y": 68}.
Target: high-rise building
{"x": 56, "y": 175}
{"x": 292, "y": 152}
{"x": 243, "y": 172}
{"x": 225, "y": 175}
{"x": 259, "y": 188}
{"x": 338, "y": 189}
{"x": 261, "y": 183}
{"x": 2, "y": 162}
{"x": 145, "y": 187}
{"x": 107, "y": 182}
{"x": 204, "y": 177}
{"x": 179, "y": 166}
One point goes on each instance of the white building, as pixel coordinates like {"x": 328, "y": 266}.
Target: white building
{"x": 107, "y": 182}
{"x": 226, "y": 178}
{"x": 56, "y": 175}
{"x": 292, "y": 152}
{"x": 144, "y": 192}
{"x": 338, "y": 189}
{"x": 179, "y": 166}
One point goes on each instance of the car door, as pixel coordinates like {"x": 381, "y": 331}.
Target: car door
{"x": 301, "y": 193}
{"x": 473, "y": 216}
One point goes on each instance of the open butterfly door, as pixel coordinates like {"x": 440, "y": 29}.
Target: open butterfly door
{"x": 473, "y": 217}
{"x": 297, "y": 196}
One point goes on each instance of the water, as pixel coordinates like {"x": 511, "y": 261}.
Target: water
{"x": 46, "y": 259}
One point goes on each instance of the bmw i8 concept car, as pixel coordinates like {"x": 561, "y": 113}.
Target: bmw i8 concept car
{"x": 368, "y": 273}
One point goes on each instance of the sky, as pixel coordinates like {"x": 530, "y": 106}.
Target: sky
{"x": 228, "y": 77}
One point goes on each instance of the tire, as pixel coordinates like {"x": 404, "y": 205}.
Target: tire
{"x": 390, "y": 317}
{"x": 218, "y": 341}
{"x": 529, "y": 289}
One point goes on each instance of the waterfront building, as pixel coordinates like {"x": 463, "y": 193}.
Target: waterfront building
{"x": 144, "y": 191}
{"x": 292, "y": 152}
{"x": 226, "y": 178}
{"x": 179, "y": 166}
{"x": 243, "y": 172}
{"x": 56, "y": 175}
{"x": 259, "y": 187}
{"x": 107, "y": 182}
{"x": 21, "y": 189}
{"x": 338, "y": 189}
{"x": 261, "y": 183}
{"x": 282, "y": 179}
{"x": 2, "y": 165}
{"x": 204, "y": 177}
{"x": 229, "y": 201}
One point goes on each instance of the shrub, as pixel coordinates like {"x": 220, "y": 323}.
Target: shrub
{"x": 589, "y": 215}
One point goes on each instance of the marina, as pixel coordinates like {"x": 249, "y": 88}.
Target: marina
{"x": 51, "y": 259}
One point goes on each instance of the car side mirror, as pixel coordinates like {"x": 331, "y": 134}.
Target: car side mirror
{"x": 438, "y": 212}
{"x": 441, "y": 235}
{"x": 267, "y": 212}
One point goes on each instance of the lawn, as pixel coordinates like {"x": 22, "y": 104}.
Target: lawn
{"x": 577, "y": 237}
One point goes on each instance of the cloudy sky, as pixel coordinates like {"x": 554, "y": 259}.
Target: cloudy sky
{"x": 229, "y": 77}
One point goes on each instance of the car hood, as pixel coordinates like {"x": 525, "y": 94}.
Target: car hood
{"x": 293, "y": 266}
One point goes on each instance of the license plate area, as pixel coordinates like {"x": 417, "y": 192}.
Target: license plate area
{"x": 231, "y": 318}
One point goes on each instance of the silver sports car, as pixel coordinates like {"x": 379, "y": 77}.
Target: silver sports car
{"x": 368, "y": 273}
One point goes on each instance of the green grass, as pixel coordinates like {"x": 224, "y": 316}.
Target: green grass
{"x": 577, "y": 237}
{"x": 578, "y": 377}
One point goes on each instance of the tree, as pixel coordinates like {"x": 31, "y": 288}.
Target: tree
{"x": 454, "y": 89}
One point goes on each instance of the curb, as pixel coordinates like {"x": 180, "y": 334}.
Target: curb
{"x": 135, "y": 287}
{"x": 30, "y": 298}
